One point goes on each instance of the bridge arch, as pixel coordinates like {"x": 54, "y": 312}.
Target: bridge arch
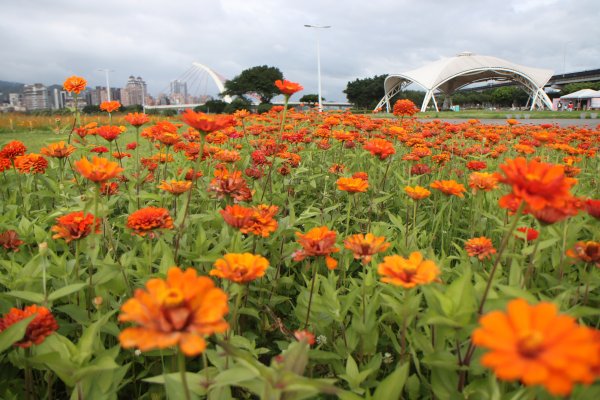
{"x": 219, "y": 81}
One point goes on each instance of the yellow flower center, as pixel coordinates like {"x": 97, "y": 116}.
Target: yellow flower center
{"x": 530, "y": 343}
{"x": 173, "y": 298}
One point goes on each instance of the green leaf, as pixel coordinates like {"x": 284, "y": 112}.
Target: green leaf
{"x": 66, "y": 290}
{"x": 391, "y": 387}
{"x": 32, "y": 297}
{"x": 14, "y": 333}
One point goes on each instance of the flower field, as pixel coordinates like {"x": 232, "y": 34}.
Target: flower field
{"x": 292, "y": 255}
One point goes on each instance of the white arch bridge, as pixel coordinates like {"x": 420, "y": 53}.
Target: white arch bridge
{"x": 196, "y": 80}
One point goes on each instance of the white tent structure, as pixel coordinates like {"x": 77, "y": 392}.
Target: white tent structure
{"x": 582, "y": 94}
{"x": 451, "y": 74}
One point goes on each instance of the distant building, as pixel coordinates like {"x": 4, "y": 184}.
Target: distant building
{"x": 179, "y": 94}
{"x": 99, "y": 94}
{"x": 58, "y": 99}
{"x": 15, "y": 99}
{"x": 134, "y": 92}
{"x": 35, "y": 97}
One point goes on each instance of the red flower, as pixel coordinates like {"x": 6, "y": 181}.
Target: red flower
{"x": 592, "y": 207}
{"x": 42, "y": 325}
{"x": 10, "y": 240}
{"x": 288, "y": 88}
{"x": 380, "y": 148}
{"x": 109, "y": 132}
{"x": 405, "y": 107}
{"x": 530, "y": 233}
{"x": 13, "y": 149}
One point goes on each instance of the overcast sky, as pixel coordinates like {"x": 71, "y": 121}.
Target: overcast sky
{"x": 46, "y": 41}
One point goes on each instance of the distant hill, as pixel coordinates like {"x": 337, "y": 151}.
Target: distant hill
{"x": 9, "y": 87}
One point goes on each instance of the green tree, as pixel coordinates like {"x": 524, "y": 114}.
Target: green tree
{"x": 91, "y": 109}
{"x": 574, "y": 87}
{"x": 508, "y": 96}
{"x": 239, "y": 103}
{"x": 214, "y": 106}
{"x": 311, "y": 98}
{"x": 259, "y": 80}
{"x": 365, "y": 93}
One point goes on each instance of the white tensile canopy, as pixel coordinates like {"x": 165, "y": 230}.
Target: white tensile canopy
{"x": 451, "y": 74}
{"x": 582, "y": 94}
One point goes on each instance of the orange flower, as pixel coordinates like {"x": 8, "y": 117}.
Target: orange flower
{"x": 146, "y": 220}
{"x": 380, "y": 148}
{"x": 206, "y": 123}
{"x": 588, "y": 252}
{"x": 175, "y": 187}
{"x": 10, "y": 240}
{"x": 179, "y": 311}
{"x": 99, "y": 170}
{"x": 408, "y": 272}
{"x": 352, "y": 185}
{"x": 58, "y": 150}
{"x": 365, "y": 246}
{"x": 288, "y": 88}
{"x": 483, "y": 181}
{"x": 404, "y": 107}
{"x": 480, "y": 247}
{"x": 110, "y": 106}
{"x": 537, "y": 346}
{"x": 110, "y": 132}
{"x": 42, "y": 325}
{"x": 240, "y": 268}
{"x": 262, "y": 222}
{"x": 74, "y": 84}
{"x": 13, "y": 149}
{"x": 539, "y": 184}
{"x": 230, "y": 184}
{"x": 31, "y": 164}
{"x": 317, "y": 242}
{"x": 237, "y": 216}
{"x": 449, "y": 188}
{"x": 417, "y": 192}
{"x": 4, "y": 164}
{"x": 476, "y": 165}
{"x": 592, "y": 206}
{"x": 75, "y": 226}
{"x": 137, "y": 119}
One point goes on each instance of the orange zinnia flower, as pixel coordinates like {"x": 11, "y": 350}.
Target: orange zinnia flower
{"x": 539, "y": 184}
{"x": 42, "y": 325}
{"x": 476, "y": 165}
{"x": 110, "y": 132}
{"x": 230, "y": 184}
{"x": 58, "y": 150}
{"x": 75, "y": 226}
{"x": 31, "y": 164}
{"x": 365, "y": 246}
{"x": 380, "y": 148}
{"x": 288, "y": 88}
{"x": 179, "y": 311}
{"x": 10, "y": 240}
{"x": 417, "y": 192}
{"x": 240, "y": 268}
{"x": 206, "y": 123}
{"x": 237, "y": 216}
{"x": 449, "y": 188}
{"x": 74, "y": 84}
{"x": 137, "y": 119}
{"x": 99, "y": 170}
{"x": 588, "y": 252}
{"x": 408, "y": 272}
{"x": 13, "y": 149}
{"x": 262, "y": 222}
{"x": 175, "y": 187}
{"x": 317, "y": 242}
{"x": 352, "y": 185}
{"x": 404, "y": 107}
{"x": 480, "y": 247}
{"x": 483, "y": 181}
{"x": 146, "y": 220}
{"x": 110, "y": 106}
{"x": 538, "y": 346}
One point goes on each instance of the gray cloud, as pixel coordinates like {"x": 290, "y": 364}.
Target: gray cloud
{"x": 46, "y": 41}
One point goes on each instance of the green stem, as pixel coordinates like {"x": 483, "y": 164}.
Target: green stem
{"x": 312, "y": 287}
{"x": 236, "y": 308}
{"x": 183, "y": 371}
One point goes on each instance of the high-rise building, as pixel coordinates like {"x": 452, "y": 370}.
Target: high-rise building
{"x": 179, "y": 94}
{"x": 35, "y": 97}
{"x": 98, "y": 95}
{"x": 133, "y": 93}
{"x": 15, "y": 99}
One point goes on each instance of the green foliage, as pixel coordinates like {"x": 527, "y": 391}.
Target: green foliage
{"x": 365, "y": 93}
{"x": 259, "y": 80}
{"x": 239, "y": 103}
{"x": 213, "y": 106}
{"x": 311, "y": 98}
{"x": 264, "y": 107}
{"x": 574, "y": 87}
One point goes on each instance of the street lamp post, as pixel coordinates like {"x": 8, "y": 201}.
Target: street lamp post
{"x": 565, "y": 56}
{"x": 106, "y": 71}
{"x": 319, "y": 62}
